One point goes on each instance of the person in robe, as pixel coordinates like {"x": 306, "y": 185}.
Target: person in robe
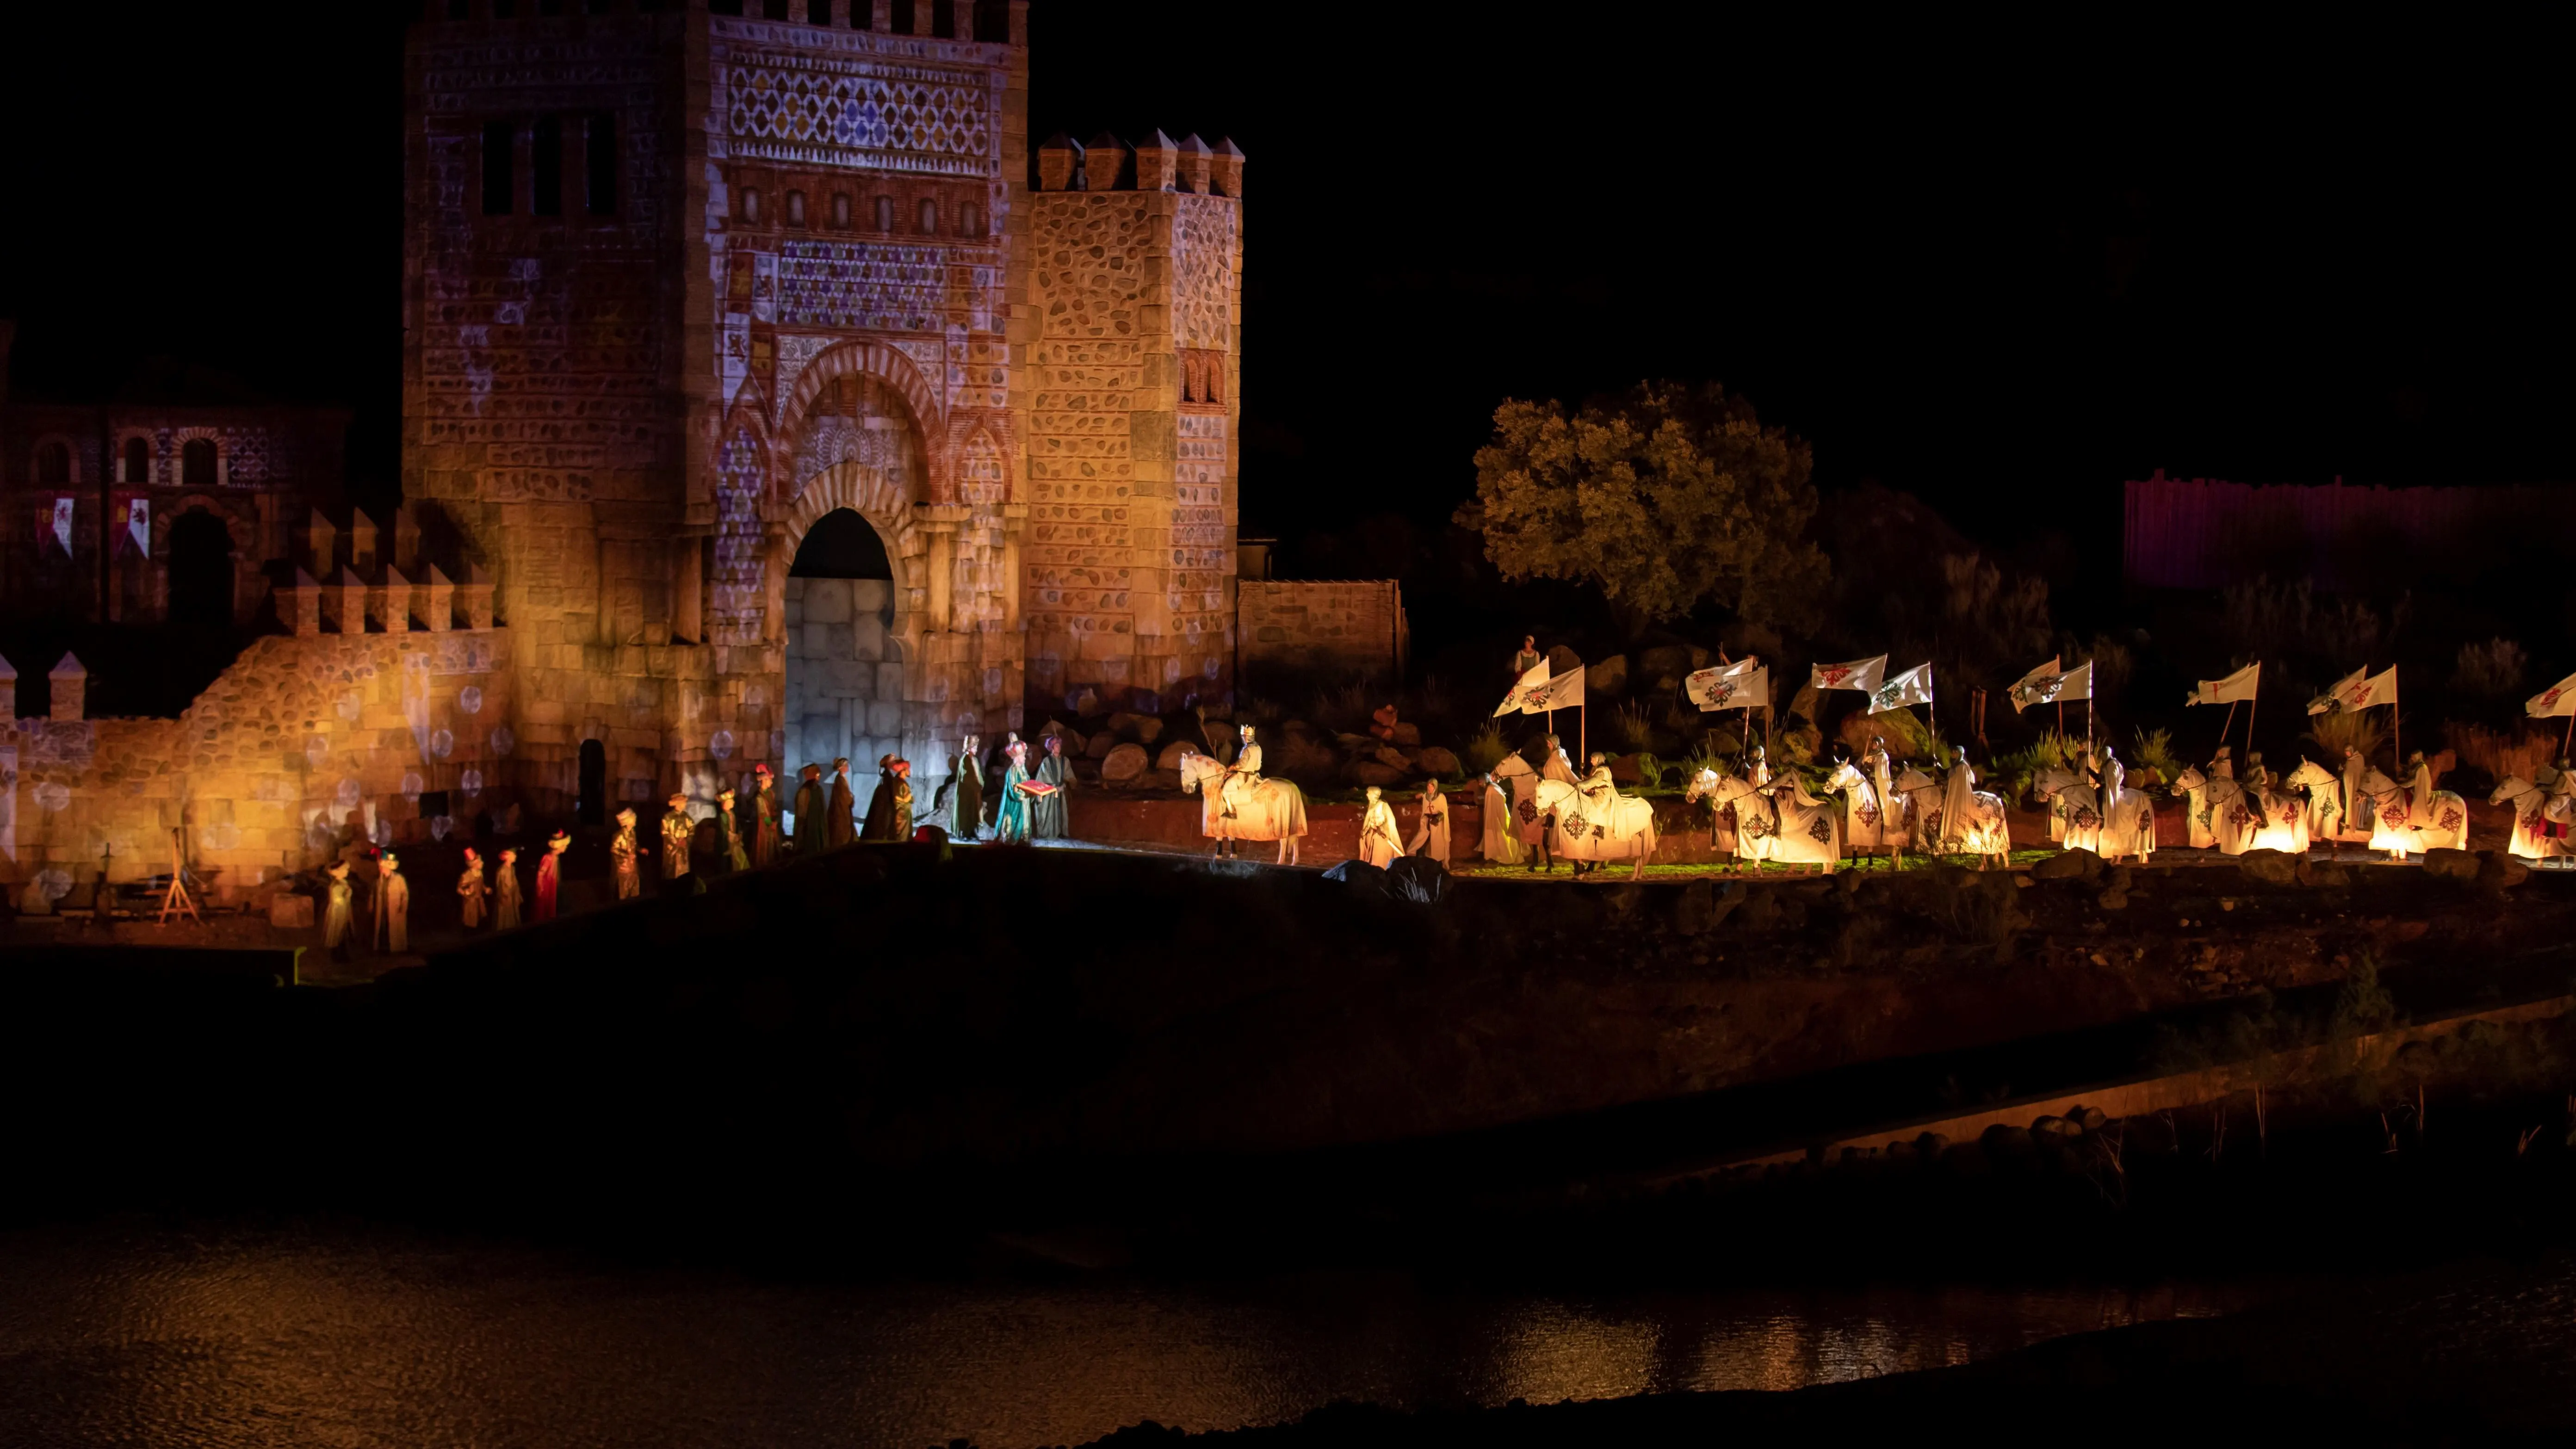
{"x": 393, "y": 906}
{"x": 1051, "y": 815}
{"x": 996, "y": 767}
{"x": 339, "y": 912}
{"x": 1882, "y": 774}
{"x": 1431, "y": 837}
{"x": 1598, "y": 790}
{"x": 1380, "y": 843}
{"x": 1011, "y": 807}
{"x": 2355, "y": 810}
{"x": 764, "y": 816}
{"x": 966, "y": 792}
{"x": 470, "y": 891}
{"x": 812, "y": 806}
{"x": 1502, "y": 836}
{"x": 622, "y": 851}
{"x": 1558, "y": 765}
{"x": 1958, "y": 800}
{"x": 2419, "y": 790}
{"x": 1243, "y": 776}
{"x": 1757, "y": 768}
{"x": 505, "y": 891}
{"x": 1528, "y": 659}
{"x": 890, "y": 809}
{"x": 841, "y": 816}
{"x": 2558, "y": 813}
{"x": 729, "y": 833}
{"x": 550, "y": 873}
{"x": 1530, "y": 825}
{"x": 2115, "y": 778}
{"x": 2224, "y": 766}
{"x": 677, "y": 827}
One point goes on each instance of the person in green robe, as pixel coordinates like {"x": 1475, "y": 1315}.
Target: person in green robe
{"x": 730, "y": 833}
{"x": 811, "y": 802}
{"x": 1011, "y": 811}
{"x": 890, "y": 808}
{"x": 1047, "y": 813}
{"x": 966, "y": 792}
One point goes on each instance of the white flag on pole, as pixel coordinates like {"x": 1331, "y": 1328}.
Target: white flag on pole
{"x": 63, "y": 522}
{"x": 1517, "y": 701}
{"x": 2332, "y": 701}
{"x": 2234, "y": 687}
{"x": 1914, "y": 686}
{"x": 1565, "y": 691}
{"x": 1729, "y": 688}
{"x": 1860, "y": 674}
{"x": 2557, "y": 699}
{"x": 138, "y": 524}
{"x": 2037, "y": 687}
{"x": 2383, "y": 689}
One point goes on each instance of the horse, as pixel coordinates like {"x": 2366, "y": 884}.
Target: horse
{"x": 1985, "y": 831}
{"x": 2394, "y": 827}
{"x": 1804, "y": 830}
{"x": 1587, "y": 833}
{"x": 2126, "y": 829}
{"x": 1868, "y": 822}
{"x": 2323, "y": 817}
{"x": 2280, "y": 820}
{"x": 1730, "y": 797}
{"x": 1274, "y": 810}
{"x": 2219, "y": 812}
{"x": 2531, "y": 838}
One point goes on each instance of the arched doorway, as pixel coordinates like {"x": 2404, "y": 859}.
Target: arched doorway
{"x": 201, "y": 570}
{"x": 844, "y": 662}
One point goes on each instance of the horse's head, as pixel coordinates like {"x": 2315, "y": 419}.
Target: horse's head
{"x": 2513, "y": 787}
{"x": 2310, "y": 775}
{"x": 1702, "y": 784}
{"x": 1196, "y": 767}
{"x": 1719, "y": 790}
{"x": 2190, "y": 779}
{"x": 2051, "y": 780}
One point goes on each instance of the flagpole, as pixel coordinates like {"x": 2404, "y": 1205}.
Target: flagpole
{"x": 2250, "y": 713}
{"x": 2571, "y": 736}
{"x": 2223, "y": 730}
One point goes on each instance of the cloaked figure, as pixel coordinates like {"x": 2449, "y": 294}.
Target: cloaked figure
{"x": 393, "y": 906}
{"x": 764, "y": 816}
{"x": 1431, "y": 838}
{"x": 813, "y": 802}
{"x": 1380, "y": 842}
{"x": 339, "y": 911}
{"x": 677, "y": 827}
{"x": 890, "y": 809}
{"x": 1243, "y": 777}
{"x": 1011, "y": 818}
{"x": 470, "y": 891}
{"x": 730, "y": 834}
{"x": 550, "y": 873}
{"x": 505, "y": 891}
{"x": 838, "y": 818}
{"x": 1502, "y": 834}
{"x": 965, "y": 790}
{"x": 622, "y": 851}
{"x": 1050, "y": 815}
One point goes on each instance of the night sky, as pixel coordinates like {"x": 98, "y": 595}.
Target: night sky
{"x": 1961, "y": 267}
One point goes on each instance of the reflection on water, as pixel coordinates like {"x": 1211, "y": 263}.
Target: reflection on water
{"x": 359, "y": 1335}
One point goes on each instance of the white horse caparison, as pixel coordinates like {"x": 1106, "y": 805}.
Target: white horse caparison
{"x": 1772, "y": 823}
{"x": 2531, "y": 837}
{"x": 2127, "y": 830}
{"x": 2393, "y": 827}
{"x": 1275, "y": 811}
{"x": 1588, "y": 835}
{"x": 2323, "y": 813}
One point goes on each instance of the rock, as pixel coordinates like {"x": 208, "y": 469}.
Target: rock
{"x": 1437, "y": 761}
{"x": 1123, "y": 724}
{"x": 2451, "y": 864}
{"x": 1408, "y": 735}
{"x": 1662, "y": 660}
{"x": 1123, "y": 765}
{"x": 1932, "y": 1144}
{"x": 1087, "y": 703}
{"x": 1101, "y": 744}
{"x": 1392, "y": 758}
{"x": 1561, "y": 660}
{"x": 2003, "y": 1140}
{"x": 1165, "y": 779}
{"x": 2076, "y": 864}
{"x": 1696, "y": 909}
{"x": 2500, "y": 871}
{"x": 1170, "y": 758}
{"x": 1607, "y": 676}
{"x": 2091, "y": 1118}
{"x": 2051, "y": 1126}
{"x": 2271, "y": 867}
{"x": 1370, "y": 772}
{"x": 2327, "y": 873}
{"x": 290, "y": 912}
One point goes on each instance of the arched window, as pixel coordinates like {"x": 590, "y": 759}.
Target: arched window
{"x": 928, "y": 224}
{"x": 197, "y": 463}
{"x": 885, "y": 213}
{"x": 54, "y": 463}
{"x": 970, "y": 220}
{"x": 796, "y": 208}
{"x": 751, "y": 204}
{"x": 138, "y": 461}
{"x": 841, "y": 210}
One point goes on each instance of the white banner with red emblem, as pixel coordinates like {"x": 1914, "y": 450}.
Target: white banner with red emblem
{"x": 2558, "y": 699}
{"x": 1860, "y": 674}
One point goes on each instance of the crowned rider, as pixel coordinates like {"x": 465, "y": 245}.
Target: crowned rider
{"x": 1244, "y": 775}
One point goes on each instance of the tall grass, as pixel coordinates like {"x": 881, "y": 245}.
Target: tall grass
{"x": 2155, "y": 751}
{"x": 1634, "y": 727}
{"x": 2503, "y": 752}
{"x": 2492, "y": 670}
{"x": 1485, "y": 750}
{"x": 2354, "y": 729}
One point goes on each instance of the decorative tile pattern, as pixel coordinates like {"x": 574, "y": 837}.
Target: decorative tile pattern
{"x": 921, "y": 120}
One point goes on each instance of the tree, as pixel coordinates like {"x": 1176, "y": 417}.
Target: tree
{"x": 1663, "y": 499}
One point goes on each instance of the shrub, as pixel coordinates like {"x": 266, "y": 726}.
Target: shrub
{"x": 1633, "y": 728}
{"x": 2335, "y": 733}
{"x": 1484, "y": 750}
{"x": 2502, "y": 752}
{"x": 2155, "y": 751}
{"x": 2493, "y": 670}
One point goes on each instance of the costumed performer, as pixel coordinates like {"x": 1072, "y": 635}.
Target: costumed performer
{"x": 1051, "y": 814}
{"x": 1380, "y": 843}
{"x": 470, "y": 891}
{"x": 813, "y": 806}
{"x": 1011, "y": 807}
{"x": 339, "y": 910}
{"x": 841, "y": 816}
{"x": 505, "y": 891}
{"x": 1431, "y": 837}
{"x": 729, "y": 832}
{"x": 393, "y": 906}
{"x": 764, "y": 816}
{"x": 677, "y": 828}
{"x": 1502, "y": 834}
{"x": 890, "y": 808}
{"x": 965, "y": 789}
{"x": 1528, "y": 659}
{"x": 1243, "y": 776}
{"x": 1958, "y": 801}
{"x": 550, "y": 874}
{"x": 622, "y": 851}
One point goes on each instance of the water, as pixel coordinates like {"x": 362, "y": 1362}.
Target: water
{"x": 358, "y": 1335}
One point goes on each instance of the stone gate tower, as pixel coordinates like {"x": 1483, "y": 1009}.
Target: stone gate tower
{"x": 680, "y": 283}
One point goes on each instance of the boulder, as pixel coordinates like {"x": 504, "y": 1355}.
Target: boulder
{"x": 1101, "y": 744}
{"x": 1170, "y": 758}
{"x": 2271, "y": 867}
{"x": 2003, "y": 1140}
{"x": 2451, "y": 864}
{"x": 2051, "y": 1126}
{"x": 1123, "y": 765}
{"x": 2501, "y": 871}
{"x": 1165, "y": 780}
{"x": 1370, "y": 772}
{"x": 1389, "y": 756}
{"x": 1087, "y": 703}
{"x": 1561, "y": 660}
{"x": 2327, "y": 873}
{"x": 1608, "y": 676}
{"x": 1406, "y": 734}
{"x": 1124, "y": 724}
{"x": 2076, "y": 864}
{"x": 1663, "y": 660}
{"x": 1932, "y": 1144}
{"x": 2091, "y": 1118}
{"x": 1437, "y": 761}
{"x": 1626, "y": 770}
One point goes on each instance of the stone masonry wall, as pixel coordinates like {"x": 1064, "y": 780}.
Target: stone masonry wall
{"x": 303, "y": 744}
{"x": 844, "y": 684}
{"x": 1354, "y": 627}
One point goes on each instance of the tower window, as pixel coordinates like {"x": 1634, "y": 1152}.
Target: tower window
{"x": 138, "y": 461}
{"x": 943, "y": 18}
{"x": 549, "y": 7}
{"x": 751, "y": 204}
{"x": 499, "y": 183}
{"x": 841, "y": 210}
{"x": 928, "y": 222}
{"x": 885, "y": 213}
{"x": 796, "y": 208}
{"x": 54, "y": 463}
{"x": 774, "y": 10}
{"x": 545, "y": 165}
{"x": 504, "y": 9}
{"x": 818, "y": 12}
{"x": 197, "y": 463}
{"x": 599, "y": 165}
{"x": 901, "y": 13}
{"x": 862, "y": 14}
{"x": 970, "y": 220}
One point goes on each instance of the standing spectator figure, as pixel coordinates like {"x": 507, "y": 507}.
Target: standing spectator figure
{"x": 505, "y": 892}
{"x": 470, "y": 891}
{"x": 1529, "y": 658}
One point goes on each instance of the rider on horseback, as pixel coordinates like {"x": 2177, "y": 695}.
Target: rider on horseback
{"x": 1243, "y": 776}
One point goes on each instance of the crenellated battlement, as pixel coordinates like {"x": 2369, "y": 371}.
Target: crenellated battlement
{"x": 1155, "y": 163}
{"x": 988, "y": 22}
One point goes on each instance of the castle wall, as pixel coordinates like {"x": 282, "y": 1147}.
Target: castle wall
{"x": 303, "y": 745}
{"x": 1353, "y": 627}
